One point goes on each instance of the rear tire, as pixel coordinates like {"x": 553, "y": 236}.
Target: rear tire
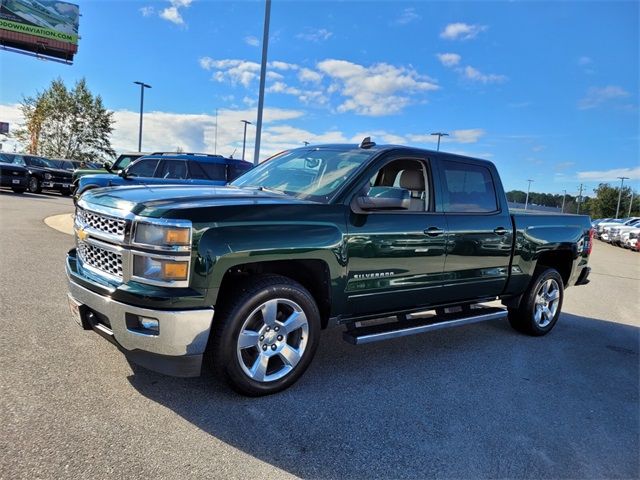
{"x": 34, "y": 185}
{"x": 540, "y": 305}
{"x": 264, "y": 339}
{"x": 19, "y": 190}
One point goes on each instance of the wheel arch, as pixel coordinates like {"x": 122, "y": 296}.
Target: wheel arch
{"x": 312, "y": 274}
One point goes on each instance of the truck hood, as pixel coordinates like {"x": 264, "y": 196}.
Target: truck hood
{"x": 156, "y": 200}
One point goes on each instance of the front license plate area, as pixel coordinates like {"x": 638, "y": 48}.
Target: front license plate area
{"x": 15, "y": 182}
{"x": 74, "y": 307}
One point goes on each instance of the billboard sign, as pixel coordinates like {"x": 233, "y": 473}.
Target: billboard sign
{"x": 46, "y": 28}
{"x": 49, "y": 19}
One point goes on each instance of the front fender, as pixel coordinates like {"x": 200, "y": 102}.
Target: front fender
{"x": 222, "y": 248}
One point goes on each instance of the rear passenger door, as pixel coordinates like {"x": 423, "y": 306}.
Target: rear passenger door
{"x": 173, "y": 172}
{"x": 479, "y": 233}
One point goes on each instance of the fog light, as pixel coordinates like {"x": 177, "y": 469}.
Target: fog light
{"x": 149, "y": 324}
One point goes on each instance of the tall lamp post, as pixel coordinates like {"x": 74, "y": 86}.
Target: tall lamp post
{"x": 439, "y": 135}
{"x": 526, "y": 201}
{"x": 630, "y": 203}
{"x": 564, "y": 195}
{"x": 263, "y": 74}
{"x": 622, "y": 179}
{"x": 244, "y": 138}
{"x": 142, "y": 87}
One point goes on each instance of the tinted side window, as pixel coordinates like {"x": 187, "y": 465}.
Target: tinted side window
{"x": 196, "y": 171}
{"x": 468, "y": 188}
{"x": 173, "y": 169}
{"x": 237, "y": 169}
{"x": 143, "y": 168}
{"x": 215, "y": 171}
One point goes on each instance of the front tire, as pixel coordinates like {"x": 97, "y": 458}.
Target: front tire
{"x": 265, "y": 339}
{"x": 540, "y": 305}
{"x": 19, "y": 190}
{"x": 34, "y": 185}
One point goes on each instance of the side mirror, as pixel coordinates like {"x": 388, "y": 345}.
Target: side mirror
{"x": 385, "y": 198}
{"x": 107, "y": 166}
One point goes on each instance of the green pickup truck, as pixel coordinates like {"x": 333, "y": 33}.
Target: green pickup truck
{"x": 384, "y": 241}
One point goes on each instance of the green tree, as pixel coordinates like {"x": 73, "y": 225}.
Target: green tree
{"x": 606, "y": 200}
{"x": 63, "y": 123}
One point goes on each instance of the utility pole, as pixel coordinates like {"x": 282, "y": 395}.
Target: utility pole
{"x": 142, "y": 87}
{"x": 526, "y": 202}
{"x": 630, "y": 203}
{"x": 564, "y": 195}
{"x": 244, "y": 138}
{"x": 622, "y": 179}
{"x": 439, "y": 135}
{"x": 263, "y": 74}
{"x": 579, "y": 199}
{"x": 215, "y": 142}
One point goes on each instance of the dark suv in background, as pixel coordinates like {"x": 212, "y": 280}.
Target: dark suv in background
{"x": 170, "y": 168}
{"x": 43, "y": 173}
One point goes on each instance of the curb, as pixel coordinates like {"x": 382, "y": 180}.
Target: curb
{"x": 63, "y": 223}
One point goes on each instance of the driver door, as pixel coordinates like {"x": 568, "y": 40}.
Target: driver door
{"x": 396, "y": 257}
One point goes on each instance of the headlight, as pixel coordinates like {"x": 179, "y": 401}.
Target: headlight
{"x": 162, "y": 236}
{"x": 160, "y": 269}
{"x": 47, "y": 176}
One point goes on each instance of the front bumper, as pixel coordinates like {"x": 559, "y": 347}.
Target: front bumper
{"x": 178, "y": 347}
{"x": 13, "y": 181}
{"x": 57, "y": 185}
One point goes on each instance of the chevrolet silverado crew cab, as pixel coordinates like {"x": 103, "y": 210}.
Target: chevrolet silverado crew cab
{"x": 384, "y": 241}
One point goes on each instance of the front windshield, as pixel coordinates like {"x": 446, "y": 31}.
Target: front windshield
{"x": 314, "y": 174}
{"x": 40, "y": 162}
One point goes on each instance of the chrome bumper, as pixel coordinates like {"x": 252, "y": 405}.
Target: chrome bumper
{"x": 178, "y": 347}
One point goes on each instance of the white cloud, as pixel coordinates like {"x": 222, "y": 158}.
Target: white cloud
{"x": 173, "y": 13}
{"x": 597, "y": 96}
{"x": 309, "y": 76}
{"x": 313, "y": 35}
{"x": 407, "y": 16}
{"x": 380, "y": 89}
{"x": 476, "y": 75}
{"x": 283, "y": 65}
{"x": 582, "y": 61}
{"x": 461, "y": 31}
{"x": 235, "y": 71}
{"x": 470, "y": 135}
{"x": 449, "y": 59}
{"x": 251, "y": 41}
{"x": 147, "y": 11}
{"x": 610, "y": 175}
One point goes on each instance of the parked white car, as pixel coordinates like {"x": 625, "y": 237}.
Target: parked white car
{"x": 629, "y": 239}
{"x": 605, "y": 227}
{"x": 615, "y": 232}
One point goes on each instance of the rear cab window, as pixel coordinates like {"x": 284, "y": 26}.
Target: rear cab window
{"x": 467, "y": 188}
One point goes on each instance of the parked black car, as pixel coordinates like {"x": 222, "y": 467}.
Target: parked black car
{"x": 13, "y": 176}
{"x": 43, "y": 173}
{"x": 73, "y": 165}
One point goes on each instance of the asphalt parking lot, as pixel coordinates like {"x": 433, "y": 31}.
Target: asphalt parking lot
{"x": 477, "y": 401}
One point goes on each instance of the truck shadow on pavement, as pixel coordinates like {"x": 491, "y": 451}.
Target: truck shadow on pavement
{"x": 476, "y": 401}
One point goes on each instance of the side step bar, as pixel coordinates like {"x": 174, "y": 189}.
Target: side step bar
{"x": 385, "y": 331}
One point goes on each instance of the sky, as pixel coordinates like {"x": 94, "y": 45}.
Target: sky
{"x": 548, "y": 91}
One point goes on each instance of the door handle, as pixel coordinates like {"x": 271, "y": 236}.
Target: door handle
{"x": 499, "y": 230}
{"x": 433, "y": 231}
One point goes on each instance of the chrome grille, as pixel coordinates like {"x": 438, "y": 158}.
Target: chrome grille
{"x": 102, "y": 223}
{"x": 100, "y": 259}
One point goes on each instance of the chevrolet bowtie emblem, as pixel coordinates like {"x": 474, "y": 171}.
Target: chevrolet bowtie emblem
{"x": 82, "y": 234}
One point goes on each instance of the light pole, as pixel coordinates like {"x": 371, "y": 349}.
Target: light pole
{"x": 564, "y": 195}
{"x": 439, "y": 135}
{"x": 263, "y": 74}
{"x": 526, "y": 201}
{"x": 622, "y": 179}
{"x": 244, "y": 138}
{"x": 579, "y": 199}
{"x": 630, "y": 203}
{"x": 142, "y": 87}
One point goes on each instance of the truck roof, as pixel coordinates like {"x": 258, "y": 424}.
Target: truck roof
{"x": 390, "y": 147}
